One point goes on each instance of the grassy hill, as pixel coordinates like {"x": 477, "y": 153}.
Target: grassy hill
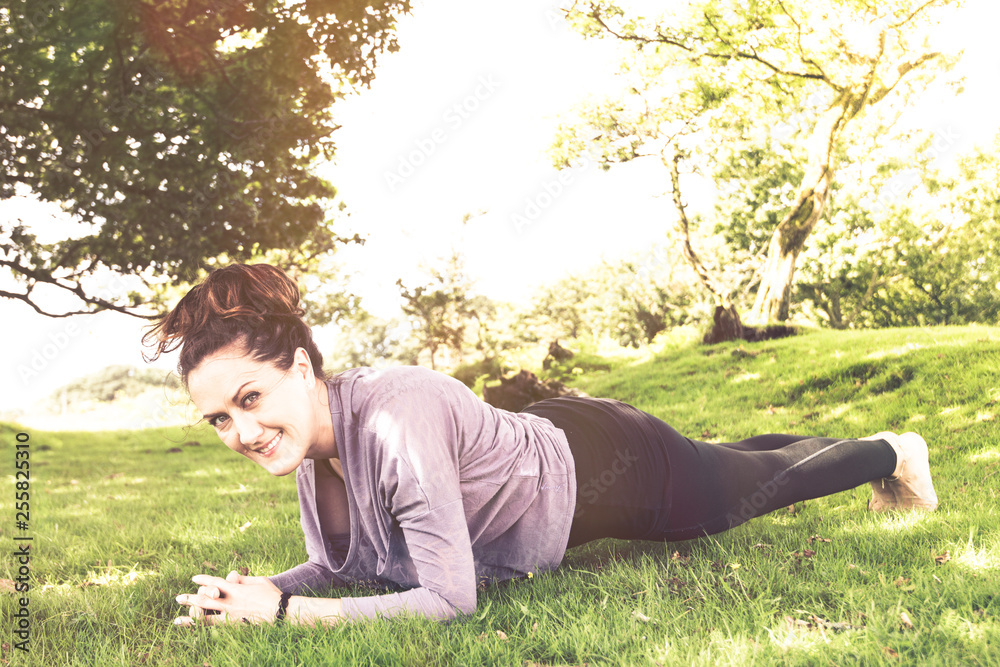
{"x": 121, "y": 520}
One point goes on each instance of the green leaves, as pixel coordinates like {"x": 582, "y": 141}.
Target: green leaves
{"x": 183, "y": 131}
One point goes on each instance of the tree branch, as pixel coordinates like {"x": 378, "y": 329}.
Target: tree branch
{"x": 902, "y": 70}
{"x": 27, "y": 299}
{"x": 918, "y": 10}
{"x": 76, "y": 290}
{"x": 684, "y": 231}
{"x": 798, "y": 42}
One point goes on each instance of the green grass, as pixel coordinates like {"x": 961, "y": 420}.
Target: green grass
{"x": 121, "y": 524}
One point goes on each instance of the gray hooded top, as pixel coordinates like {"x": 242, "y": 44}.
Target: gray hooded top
{"x": 444, "y": 491}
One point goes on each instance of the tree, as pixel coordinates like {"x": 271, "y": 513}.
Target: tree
{"x": 923, "y": 256}
{"x": 177, "y": 133}
{"x": 724, "y": 76}
{"x": 441, "y": 310}
{"x": 629, "y": 301}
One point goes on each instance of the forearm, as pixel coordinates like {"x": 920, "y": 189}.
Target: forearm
{"x": 314, "y": 611}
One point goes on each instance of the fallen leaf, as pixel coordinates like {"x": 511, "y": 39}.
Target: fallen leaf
{"x": 534, "y": 627}
{"x": 818, "y": 625}
{"x": 941, "y": 559}
{"x": 115, "y": 475}
{"x": 209, "y": 566}
{"x": 761, "y": 545}
{"x": 676, "y": 556}
{"x": 900, "y": 581}
{"x": 817, "y": 538}
{"x": 795, "y": 623}
{"x": 889, "y": 652}
{"x": 245, "y": 571}
{"x": 638, "y": 615}
{"x": 905, "y": 618}
{"x": 244, "y": 526}
{"x": 502, "y": 635}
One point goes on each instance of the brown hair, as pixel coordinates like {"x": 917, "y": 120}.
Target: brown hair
{"x": 256, "y": 305}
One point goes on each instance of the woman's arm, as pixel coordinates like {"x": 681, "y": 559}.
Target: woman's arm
{"x": 255, "y": 600}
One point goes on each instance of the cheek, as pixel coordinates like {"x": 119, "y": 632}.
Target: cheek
{"x": 230, "y": 440}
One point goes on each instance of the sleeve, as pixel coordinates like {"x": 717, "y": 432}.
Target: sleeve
{"x": 439, "y": 546}
{"x": 418, "y": 432}
{"x": 309, "y": 577}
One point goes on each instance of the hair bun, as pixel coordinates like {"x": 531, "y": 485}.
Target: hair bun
{"x": 256, "y": 291}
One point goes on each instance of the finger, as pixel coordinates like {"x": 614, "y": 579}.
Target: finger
{"x": 233, "y": 577}
{"x": 208, "y": 580}
{"x": 209, "y": 591}
{"x": 186, "y": 621}
{"x": 199, "y": 601}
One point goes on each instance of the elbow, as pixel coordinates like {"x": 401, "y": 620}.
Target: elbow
{"x": 456, "y": 606}
{"x": 465, "y": 605}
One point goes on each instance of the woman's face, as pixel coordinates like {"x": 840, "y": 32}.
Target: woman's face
{"x": 260, "y": 411}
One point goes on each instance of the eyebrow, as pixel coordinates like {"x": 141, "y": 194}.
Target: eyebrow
{"x": 235, "y": 398}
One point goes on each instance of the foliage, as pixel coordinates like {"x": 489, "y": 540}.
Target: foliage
{"x": 713, "y": 81}
{"x": 177, "y": 134}
{"x": 112, "y": 383}
{"x": 363, "y": 339}
{"x": 441, "y": 314}
{"x": 920, "y": 255}
{"x": 629, "y": 301}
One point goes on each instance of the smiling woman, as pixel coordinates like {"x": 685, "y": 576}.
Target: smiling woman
{"x": 408, "y": 481}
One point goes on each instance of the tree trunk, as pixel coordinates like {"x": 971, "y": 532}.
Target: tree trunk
{"x": 727, "y": 325}
{"x": 788, "y": 239}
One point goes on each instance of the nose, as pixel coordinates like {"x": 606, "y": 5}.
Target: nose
{"x": 248, "y": 428}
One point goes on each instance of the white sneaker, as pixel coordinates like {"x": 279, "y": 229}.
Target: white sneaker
{"x": 910, "y": 486}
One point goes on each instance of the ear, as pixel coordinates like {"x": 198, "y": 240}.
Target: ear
{"x": 302, "y": 365}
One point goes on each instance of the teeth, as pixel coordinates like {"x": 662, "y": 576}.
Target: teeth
{"x": 271, "y": 445}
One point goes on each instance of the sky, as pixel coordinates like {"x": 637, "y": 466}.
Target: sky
{"x": 458, "y": 122}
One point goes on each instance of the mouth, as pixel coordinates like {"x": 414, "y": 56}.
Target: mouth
{"x": 269, "y": 447}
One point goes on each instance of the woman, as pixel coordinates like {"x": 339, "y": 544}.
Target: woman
{"x": 408, "y": 481}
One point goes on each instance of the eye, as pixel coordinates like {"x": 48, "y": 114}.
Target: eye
{"x": 218, "y": 420}
{"x": 250, "y": 399}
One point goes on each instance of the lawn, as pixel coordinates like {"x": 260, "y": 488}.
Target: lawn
{"x": 121, "y": 520}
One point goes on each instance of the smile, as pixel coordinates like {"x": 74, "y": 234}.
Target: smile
{"x": 269, "y": 447}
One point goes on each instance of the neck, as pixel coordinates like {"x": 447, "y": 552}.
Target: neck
{"x": 325, "y": 446}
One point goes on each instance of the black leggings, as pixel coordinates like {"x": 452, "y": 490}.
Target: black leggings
{"x": 638, "y": 478}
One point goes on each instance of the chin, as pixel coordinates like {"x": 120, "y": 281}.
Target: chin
{"x": 280, "y": 469}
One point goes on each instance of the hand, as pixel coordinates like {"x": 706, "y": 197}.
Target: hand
{"x": 235, "y": 599}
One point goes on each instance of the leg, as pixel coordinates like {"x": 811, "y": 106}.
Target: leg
{"x": 638, "y": 478}
{"x": 762, "y": 443}
{"x": 724, "y": 486}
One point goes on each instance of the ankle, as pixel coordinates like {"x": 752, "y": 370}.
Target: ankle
{"x": 893, "y": 441}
